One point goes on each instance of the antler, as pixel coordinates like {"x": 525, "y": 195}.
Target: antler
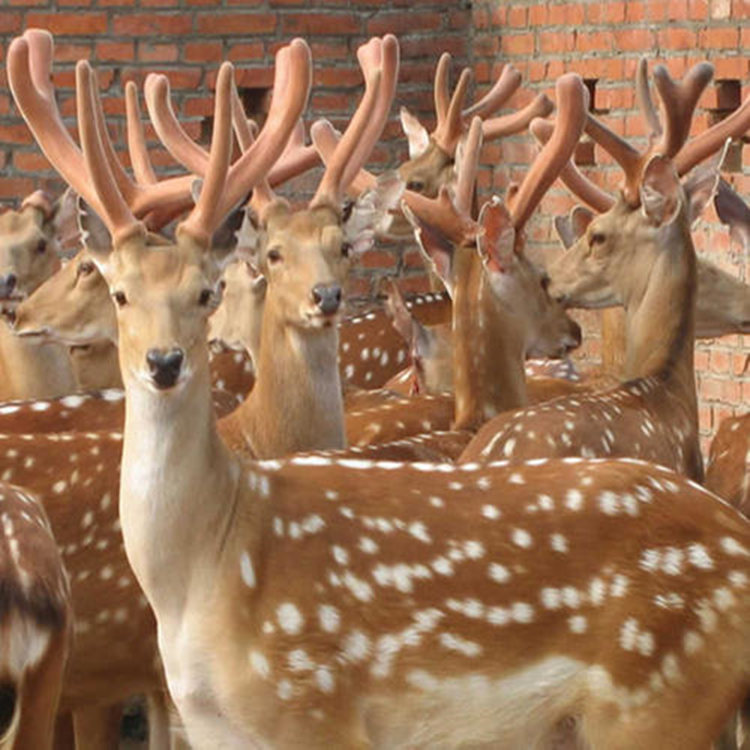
{"x": 292, "y": 79}
{"x": 578, "y": 184}
{"x": 29, "y": 73}
{"x": 572, "y": 102}
{"x": 379, "y": 62}
{"x": 677, "y": 105}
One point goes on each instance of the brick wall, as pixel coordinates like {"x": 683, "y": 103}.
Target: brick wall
{"x": 603, "y": 42}
{"x": 600, "y": 40}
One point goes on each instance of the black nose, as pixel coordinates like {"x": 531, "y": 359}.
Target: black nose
{"x": 327, "y": 297}
{"x": 7, "y": 284}
{"x": 165, "y": 366}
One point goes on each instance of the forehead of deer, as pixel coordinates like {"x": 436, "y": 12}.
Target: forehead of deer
{"x": 18, "y": 228}
{"x": 172, "y": 265}
{"x": 432, "y": 160}
{"x": 313, "y": 226}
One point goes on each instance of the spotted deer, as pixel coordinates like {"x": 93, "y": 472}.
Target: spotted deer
{"x": 723, "y": 304}
{"x": 501, "y": 308}
{"x": 728, "y": 468}
{"x": 29, "y": 241}
{"x": 437, "y": 606}
{"x": 75, "y": 474}
{"x": 36, "y": 619}
{"x": 305, "y": 263}
{"x": 638, "y": 254}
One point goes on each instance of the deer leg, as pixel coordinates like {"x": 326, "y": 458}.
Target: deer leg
{"x": 64, "y": 734}
{"x": 39, "y": 695}
{"x": 158, "y": 721}
{"x": 98, "y": 728}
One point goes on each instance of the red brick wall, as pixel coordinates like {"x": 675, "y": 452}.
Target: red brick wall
{"x": 603, "y": 41}
{"x": 187, "y": 39}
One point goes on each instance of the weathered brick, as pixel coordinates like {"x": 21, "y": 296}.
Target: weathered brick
{"x": 69, "y": 23}
{"x": 236, "y": 23}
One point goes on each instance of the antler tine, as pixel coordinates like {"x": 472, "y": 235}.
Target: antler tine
{"x": 442, "y": 96}
{"x": 505, "y": 86}
{"x": 262, "y": 194}
{"x": 572, "y": 104}
{"x": 449, "y": 128}
{"x": 711, "y": 140}
{"x": 643, "y": 97}
{"x": 168, "y": 129}
{"x": 296, "y": 158}
{"x": 293, "y": 67}
{"x": 116, "y": 214}
{"x": 572, "y": 177}
{"x": 207, "y": 214}
{"x": 387, "y": 56}
{"x": 29, "y": 66}
{"x": 621, "y": 151}
{"x": 329, "y": 189}
{"x": 467, "y": 169}
{"x": 137, "y": 148}
{"x": 499, "y": 127}
{"x": 678, "y": 102}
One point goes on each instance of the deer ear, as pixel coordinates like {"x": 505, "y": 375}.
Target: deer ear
{"x": 94, "y": 234}
{"x": 416, "y": 134}
{"x": 661, "y": 194}
{"x": 703, "y": 183}
{"x": 572, "y": 227}
{"x": 226, "y": 237}
{"x": 733, "y": 212}
{"x": 371, "y": 213}
{"x": 396, "y": 308}
{"x": 496, "y": 243}
{"x": 437, "y": 250}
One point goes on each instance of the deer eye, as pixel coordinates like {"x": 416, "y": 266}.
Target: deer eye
{"x": 544, "y": 281}
{"x": 41, "y": 246}
{"x": 346, "y": 249}
{"x": 120, "y": 298}
{"x": 274, "y": 256}
{"x": 205, "y": 297}
{"x": 416, "y": 185}
{"x": 85, "y": 268}
{"x": 597, "y": 238}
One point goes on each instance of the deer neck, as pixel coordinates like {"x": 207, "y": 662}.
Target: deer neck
{"x": 178, "y": 483}
{"x": 296, "y": 402}
{"x": 33, "y": 369}
{"x": 660, "y": 314}
{"x": 488, "y": 359}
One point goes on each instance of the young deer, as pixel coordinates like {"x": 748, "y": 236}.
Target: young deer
{"x": 638, "y": 254}
{"x": 28, "y": 256}
{"x": 36, "y": 619}
{"x": 419, "y": 618}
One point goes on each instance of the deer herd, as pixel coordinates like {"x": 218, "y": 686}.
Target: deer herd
{"x": 304, "y": 530}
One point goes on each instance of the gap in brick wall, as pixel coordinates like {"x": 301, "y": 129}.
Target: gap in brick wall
{"x": 728, "y": 100}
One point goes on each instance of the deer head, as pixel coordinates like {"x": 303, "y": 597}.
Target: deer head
{"x": 29, "y": 246}
{"x": 432, "y": 156}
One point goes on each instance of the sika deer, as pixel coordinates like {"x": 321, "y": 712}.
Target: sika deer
{"x": 466, "y": 630}
{"x": 501, "y": 309}
{"x": 36, "y": 619}
{"x": 638, "y": 254}
{"x": 29, "y": 255}
{"x": 728, "y": 469}
{"x": 76, "y": 473}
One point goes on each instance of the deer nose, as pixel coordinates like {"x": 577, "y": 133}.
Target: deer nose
{"x": 165, "y": 366}
{"x": 327, "y": 297}
{"x": 7, "y": 284}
